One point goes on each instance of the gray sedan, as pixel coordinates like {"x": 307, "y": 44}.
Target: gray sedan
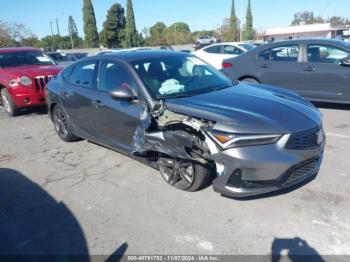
{"x": 318, "y": 69}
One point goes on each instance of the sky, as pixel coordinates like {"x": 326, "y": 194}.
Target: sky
{"x": 199, "y": 14}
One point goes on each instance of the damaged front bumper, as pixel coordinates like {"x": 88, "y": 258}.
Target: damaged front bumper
{"x": 257, "y": 170}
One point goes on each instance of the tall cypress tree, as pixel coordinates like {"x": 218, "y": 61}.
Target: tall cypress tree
{"x": 233, "y": 24}
{"x": 72, "y": 27}
{"x": 249, "y": 30}
{"x": 113, "y": 33}
{"x": 90, "y": 28}
{"x": 131, "y": 35}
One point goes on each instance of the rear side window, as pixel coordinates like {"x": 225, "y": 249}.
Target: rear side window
{"x": 213, "y": 49}
{"x": 84, "y": 74}
{"x": 281, "y": 53}
{"x": 325, "y": 54}
{"x": 113, "y": 75}
{"x": 232, "y": 50}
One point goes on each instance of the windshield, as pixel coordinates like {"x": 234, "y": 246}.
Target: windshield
{"x": 23, "y": 58}
{"x": 247, "y": 46}
{"x": 59, "y": 57}
{"x": 181, "y": 76}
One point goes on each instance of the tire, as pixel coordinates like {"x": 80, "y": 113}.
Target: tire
{"x": 11, "y": 109}
{"x": 250, "y": 80}
{"x": 184, "y": 175}
{"x": 62, "y": 125}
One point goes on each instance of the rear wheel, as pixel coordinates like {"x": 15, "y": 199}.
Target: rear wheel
{"x": 250, "y": 80}
{"x": 62, "y": 126}
{"x": 184, "y": 174}
{"x": 10, "y": 107}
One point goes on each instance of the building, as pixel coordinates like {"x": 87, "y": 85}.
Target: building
{"x": 306, "y": 31}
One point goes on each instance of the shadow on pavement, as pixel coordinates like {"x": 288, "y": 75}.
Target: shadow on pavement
{"x": 295, "y": 249}
{"x": 36, "y": 226}
{"x": 332, "y": 106}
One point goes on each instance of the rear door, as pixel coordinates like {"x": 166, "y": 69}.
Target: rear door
{"x": 324, "y": 78}
{"x": 77, "y": 96}
{"x": 281, "y": 66}
{"x": 212, "y": 55}
{"x": 116, "y": 121}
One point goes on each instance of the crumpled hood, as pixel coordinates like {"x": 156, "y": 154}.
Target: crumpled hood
{"x": 251, "y": 109}
{"x": 33, "y": 71}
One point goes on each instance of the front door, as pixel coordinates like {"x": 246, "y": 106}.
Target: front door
{"x": 280, "y": 66}
{"x": 324, "y": 78}
{"x": 116, "y": 121}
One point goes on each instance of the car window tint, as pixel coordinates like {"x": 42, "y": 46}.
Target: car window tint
{"x": 83, "y": 74}
{"x": 232, "y": 50}
{"x": 325, "y": 54}
{"x": 213, "y": 49}
{"x": 285, "y": 53}
{"x": 113, "y": 75}
{"x": 265, "y": 55}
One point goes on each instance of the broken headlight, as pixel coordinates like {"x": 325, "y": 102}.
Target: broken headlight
{"x": 227, "y": 140}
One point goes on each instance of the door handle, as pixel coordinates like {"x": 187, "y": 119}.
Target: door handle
{"x": 265, "y": 66}
{"x": 310, "y": 69}
{"x": 65, "y": 94}
{"x": 97, "y": 103}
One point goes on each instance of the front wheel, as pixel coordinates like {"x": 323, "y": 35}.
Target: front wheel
{"x": 184, "y": 174}
{"x": 10, "y": 107}
{"x": 62, "y": 126}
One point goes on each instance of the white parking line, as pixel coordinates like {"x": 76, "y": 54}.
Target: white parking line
{"x": 338, "y": 135}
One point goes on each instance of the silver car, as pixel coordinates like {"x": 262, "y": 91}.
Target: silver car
{"x": 318, "y": 69}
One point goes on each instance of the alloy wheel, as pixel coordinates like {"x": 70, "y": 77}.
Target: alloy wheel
{"x": 60, "y": 123}
{"x": 6, "y": 103}
{"x": 176, "y": 172}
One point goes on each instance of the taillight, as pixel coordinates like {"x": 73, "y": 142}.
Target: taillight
{"x": 227, "y": 65}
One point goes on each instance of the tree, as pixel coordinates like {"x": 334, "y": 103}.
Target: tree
{"x": 90, "y": 28}
{"x": 249, "y": 30}
{"x": 338, "y": 21}
{"x": 178, "y": 33}
{"x": 234, "y": 31}
{"x": 72, "y": 27}
{"x": 113, "y": 33}
{"x": 5, "y": 35}
{"x": 131, "y": 34}
{"x": 306, "y": 18}
{"x": 157, "y": 34}
{"x": 73, "y": 31}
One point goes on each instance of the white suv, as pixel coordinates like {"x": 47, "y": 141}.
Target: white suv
{"x": 205, "y": 40}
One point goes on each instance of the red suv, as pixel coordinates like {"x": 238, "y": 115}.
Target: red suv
{"x": 24, "y": 73}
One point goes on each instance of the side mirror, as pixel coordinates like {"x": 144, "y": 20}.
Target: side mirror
{"x": 123, "y": 93}
{"x": 345, "y": 61}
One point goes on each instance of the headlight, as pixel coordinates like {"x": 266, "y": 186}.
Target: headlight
{"x": 25, "y": 80}
{"x": 227, "y": 140}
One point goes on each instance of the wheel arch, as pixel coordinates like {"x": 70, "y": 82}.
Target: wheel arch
{"x": 249, "y": 76}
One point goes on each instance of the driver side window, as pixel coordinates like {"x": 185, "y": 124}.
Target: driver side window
{"x": 113, "y": 75}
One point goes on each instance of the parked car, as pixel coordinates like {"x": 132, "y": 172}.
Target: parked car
{"x": 217, "y": 53}
{"x": 24, "y": 73}
{"x": 76, "y": 56}
{"x": 176, "y": 113}
{"x": 60, "y": 58}
{"x": 205, "y": 41}
{"x": 318, "y": 69}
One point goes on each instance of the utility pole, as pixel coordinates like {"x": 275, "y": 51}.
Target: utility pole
{"x": 58, "y": 28}
{"x": 241, "y": 25}
{"x": 59, "y": 35}
{"x": 53, "y": 37}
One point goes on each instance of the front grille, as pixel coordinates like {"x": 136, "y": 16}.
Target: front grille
{"x": 304, "y": 140}
{"x": 41, "y": 82}
{"x": 307, "y": 168}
